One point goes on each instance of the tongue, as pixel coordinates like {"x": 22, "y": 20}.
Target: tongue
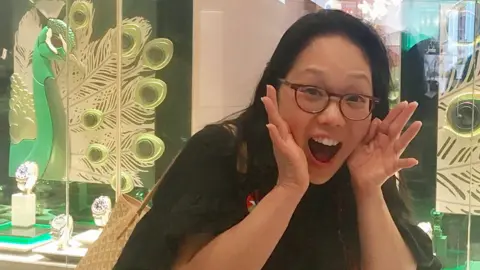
{"x": 322, "y": 157}
{"x": 321, "y": 152}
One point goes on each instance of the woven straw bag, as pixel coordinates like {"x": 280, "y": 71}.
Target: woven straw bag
{"x": 104, "y": 253}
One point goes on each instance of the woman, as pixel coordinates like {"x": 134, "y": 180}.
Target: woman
{"x": 313, "y": 198}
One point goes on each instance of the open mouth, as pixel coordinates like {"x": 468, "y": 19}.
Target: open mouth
{"x": 324, "y": 149}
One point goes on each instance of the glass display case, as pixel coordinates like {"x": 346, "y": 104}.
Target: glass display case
{"x": 434, "y": 47}
{"x": 97, "y": 104}
{"x": 458, "y": 167}
{"x": 437, "y": 68}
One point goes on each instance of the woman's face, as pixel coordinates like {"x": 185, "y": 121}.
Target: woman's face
{"x": 336, "y": 65}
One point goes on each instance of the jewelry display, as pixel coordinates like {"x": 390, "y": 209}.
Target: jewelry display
{"x": 24, "y": 202}
{"x": 27, "y": 176}
{"x": 101, "y": 210}
{"x": 62, "y": 229}
{"x": 44, "y": 114}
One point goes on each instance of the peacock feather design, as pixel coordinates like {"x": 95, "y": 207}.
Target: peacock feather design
{"x": 103, "y": 115}
{"x": 458, "y": 151}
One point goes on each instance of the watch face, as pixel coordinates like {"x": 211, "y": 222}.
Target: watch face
{"x": 26, "y": 170}
{"x": 22, "y": 172}
{"x": 59, "y": 222}
{"x": 101, "y": 205}
{"x": 61, "y": 227}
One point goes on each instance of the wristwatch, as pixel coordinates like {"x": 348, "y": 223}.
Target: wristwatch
{"x": 26, "y": 176}
{"x": 62, "y": 229}
{"x": 101, "y": 210}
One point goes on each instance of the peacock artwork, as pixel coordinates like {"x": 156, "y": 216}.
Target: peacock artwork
{"x": 70, "y": 112}
{"x": 458, "y": 134}
{"x": 458, "y": 152}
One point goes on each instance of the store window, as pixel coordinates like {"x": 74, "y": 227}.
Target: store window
{"x": 97, "y": 105}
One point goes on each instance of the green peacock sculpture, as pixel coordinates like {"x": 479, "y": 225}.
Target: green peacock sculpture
{"x": 69, "y": 112}
{"x": 49, "y": 147}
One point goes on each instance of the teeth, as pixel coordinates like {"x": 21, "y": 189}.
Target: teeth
{"x": 326, "y": 141}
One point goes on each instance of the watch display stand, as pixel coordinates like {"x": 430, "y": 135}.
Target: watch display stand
{"x": 88, "y": 237}
{"x": 23, "y": 210}
{"x": 74, "y": 251}
{"x": 22, "y": 234}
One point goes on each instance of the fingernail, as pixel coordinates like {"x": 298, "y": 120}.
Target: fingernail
{"x": 262, "y": 99}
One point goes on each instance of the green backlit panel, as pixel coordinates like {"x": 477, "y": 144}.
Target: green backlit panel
{"x": 473, "y": 266}
{"x": 26, "y": 236}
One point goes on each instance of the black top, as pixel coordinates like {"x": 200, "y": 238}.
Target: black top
{"x": 203, "y": 193}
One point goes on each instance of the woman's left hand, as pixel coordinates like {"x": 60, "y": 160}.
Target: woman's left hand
{"x": 378, "y": 157}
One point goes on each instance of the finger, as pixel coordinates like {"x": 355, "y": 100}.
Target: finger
{"x": 272, "y": 94}
{"x": 272, "y": 112}
{"x": 392, "y": 115}
{"x": 406, "y": 163}
{"x": 382, "y": 141}
{"x": 275, "y": 118}
{"x": 277, "y": 140}
{"x": 372, "y": 131}
{"x": 407, "y": 137}
{"x": 399, "y": 123}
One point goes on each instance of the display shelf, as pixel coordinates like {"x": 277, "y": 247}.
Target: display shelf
{"x": 73, "y": 253}
{"x": 23, "y": 239}
{"x": 29, "y": 261}
{"x": 87, "y": 238}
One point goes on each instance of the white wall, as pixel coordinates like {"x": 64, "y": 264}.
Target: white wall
{"x": 232, "y": 42}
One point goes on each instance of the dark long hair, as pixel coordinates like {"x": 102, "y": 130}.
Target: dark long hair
{"x": 251, "y": 122}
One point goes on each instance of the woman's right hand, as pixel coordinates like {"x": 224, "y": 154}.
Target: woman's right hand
{"x": 291, "y": 161}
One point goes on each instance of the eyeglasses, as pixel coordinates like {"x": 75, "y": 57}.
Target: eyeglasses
{"x": 312, "y": 99}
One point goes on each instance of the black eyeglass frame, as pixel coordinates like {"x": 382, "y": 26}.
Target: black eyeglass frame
{"x": 296, "y": 86}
